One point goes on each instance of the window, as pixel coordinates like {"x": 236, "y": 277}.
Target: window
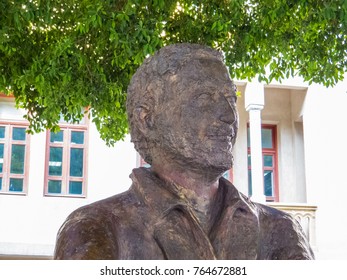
{"x": 141, "y": 162}
{"x": 14, "y": 158}
{"x": 269, "y": 152}
{"x": 66, "y": 162}
{"x": 229, "y": 175}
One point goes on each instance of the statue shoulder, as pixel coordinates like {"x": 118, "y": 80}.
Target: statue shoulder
{"x": 89, "y": 232}
{"x": 283, "y": 234}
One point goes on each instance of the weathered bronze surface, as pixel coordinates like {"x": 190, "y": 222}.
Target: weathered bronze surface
{"x": 183, "y": 121}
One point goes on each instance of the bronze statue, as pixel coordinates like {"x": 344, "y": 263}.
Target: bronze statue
{"x": 183, "y": 121}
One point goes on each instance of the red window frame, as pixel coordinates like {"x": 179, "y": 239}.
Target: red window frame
{"x": 6, "y": 174}
{"x": 272, "y": 152}
{"x": 67, "y": 145}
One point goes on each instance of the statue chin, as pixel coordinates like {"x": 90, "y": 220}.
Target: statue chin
{"x": 222, "y": 167}
{"x": 216, "y": 164}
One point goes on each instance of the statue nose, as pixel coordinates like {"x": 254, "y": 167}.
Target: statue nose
{"x": 228, "y": 112}
{"x": 229, "y": 117}
{"x": 228, "y": 109}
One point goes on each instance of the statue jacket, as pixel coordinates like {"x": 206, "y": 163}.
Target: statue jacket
{"x": 152, "y": 220}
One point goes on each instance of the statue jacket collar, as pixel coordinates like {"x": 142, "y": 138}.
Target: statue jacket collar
{"x": 234, "y": 228}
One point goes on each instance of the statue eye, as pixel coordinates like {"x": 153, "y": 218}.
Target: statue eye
{"x": 204, "y": 96}
{"x": 204, "y": 99}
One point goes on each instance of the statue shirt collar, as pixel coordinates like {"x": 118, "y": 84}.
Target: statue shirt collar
{"x": 235, "y": 225}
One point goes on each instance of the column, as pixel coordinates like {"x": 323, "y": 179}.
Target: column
{"x": 254, "y": 103}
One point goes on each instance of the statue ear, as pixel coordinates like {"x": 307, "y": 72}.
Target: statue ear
{"x": 144, "y": 118}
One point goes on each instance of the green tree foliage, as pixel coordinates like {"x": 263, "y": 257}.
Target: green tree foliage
{"x": 58, "y": 56}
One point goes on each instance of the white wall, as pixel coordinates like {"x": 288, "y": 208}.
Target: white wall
{"x": 325, "y": 133}
{"x": 240, "y": 168}
{"x": 109, "y": 168}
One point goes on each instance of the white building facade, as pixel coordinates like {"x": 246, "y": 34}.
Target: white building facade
{"x": 290, "y": 153}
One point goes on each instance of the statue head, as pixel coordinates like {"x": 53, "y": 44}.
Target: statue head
{"x": 181, "y": 104}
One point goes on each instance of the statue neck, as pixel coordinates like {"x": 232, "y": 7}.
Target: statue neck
{"x": 197, "y": 183}
{"x": 197, "y": 188}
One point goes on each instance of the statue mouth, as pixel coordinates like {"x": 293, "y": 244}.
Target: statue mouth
{"x": 222, "y": 135}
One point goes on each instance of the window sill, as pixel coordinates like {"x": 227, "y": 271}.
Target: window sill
{"x": 13, "y": 193}
{"x": 65, "y": 195}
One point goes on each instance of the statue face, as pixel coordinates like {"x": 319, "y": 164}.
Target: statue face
{"x": 199, "y": 122}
